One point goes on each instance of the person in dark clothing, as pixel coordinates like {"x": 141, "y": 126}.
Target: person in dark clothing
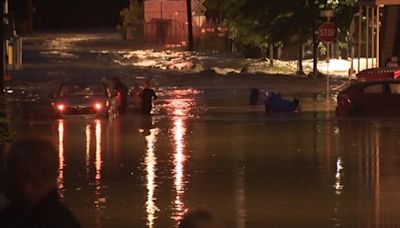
{"x": 30, "y": 178}
{"x": 122, "y": 91}
{"x": 147, "y": 96}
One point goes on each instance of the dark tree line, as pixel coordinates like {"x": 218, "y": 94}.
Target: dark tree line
{"x": 64, "y": 14}
{"x": 263, "y": 24}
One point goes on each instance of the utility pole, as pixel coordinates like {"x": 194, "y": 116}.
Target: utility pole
{"x": 190, "y": 28}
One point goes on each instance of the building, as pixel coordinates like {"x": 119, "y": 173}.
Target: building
{"x": 166, "y": 21}
{"x": 379, "y": 42}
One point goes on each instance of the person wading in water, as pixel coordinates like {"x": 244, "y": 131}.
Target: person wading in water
{"x": 147, "y": 96}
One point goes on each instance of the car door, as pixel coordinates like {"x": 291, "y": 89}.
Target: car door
{"x": 394, "y": 97}
{"x": 373, "y": 99}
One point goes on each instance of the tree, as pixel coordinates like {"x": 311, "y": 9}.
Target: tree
{"x": 258, "y": 23}
{"x": 133, "y": 17}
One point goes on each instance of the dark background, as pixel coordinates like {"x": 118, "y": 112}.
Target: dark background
{"x": 67, "y": 14}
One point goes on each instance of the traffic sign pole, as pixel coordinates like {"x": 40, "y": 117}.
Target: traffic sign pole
{"x": 327, "y": 34}
{"x": 327, "y": 71}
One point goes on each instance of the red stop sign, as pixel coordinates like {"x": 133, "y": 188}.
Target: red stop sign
{"x": 327, "y": 32}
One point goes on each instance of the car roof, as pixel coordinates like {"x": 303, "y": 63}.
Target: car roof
{"x": 361, "y": 84}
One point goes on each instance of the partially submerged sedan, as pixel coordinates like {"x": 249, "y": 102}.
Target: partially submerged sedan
{"x": 85, "y": 98}
{"x": 370, "y": 98}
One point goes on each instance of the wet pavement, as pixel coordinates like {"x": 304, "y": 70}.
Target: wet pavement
{"x": 206, "y": 148}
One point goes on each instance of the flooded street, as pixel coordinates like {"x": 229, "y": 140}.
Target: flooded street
{"x": 204, "y": 147}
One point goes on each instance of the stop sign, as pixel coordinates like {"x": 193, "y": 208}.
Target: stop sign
{"x": 327, "y": 32}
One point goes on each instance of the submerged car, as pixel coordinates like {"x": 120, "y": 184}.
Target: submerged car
{"x": 85, "y": 98}
{"x": 370, "y": 98}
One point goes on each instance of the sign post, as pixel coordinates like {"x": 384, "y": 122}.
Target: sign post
{"x": 327, "y": 33}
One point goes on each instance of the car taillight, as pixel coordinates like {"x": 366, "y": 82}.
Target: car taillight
{"x": 60, "y": 107}
{"x": 98, "y": 106}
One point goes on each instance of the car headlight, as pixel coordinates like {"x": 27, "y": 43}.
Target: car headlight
{"x": 98, "y": 106}
{"x": 60, "y": 107}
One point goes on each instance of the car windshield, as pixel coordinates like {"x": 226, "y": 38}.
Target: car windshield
{"x": 69, "y": 90}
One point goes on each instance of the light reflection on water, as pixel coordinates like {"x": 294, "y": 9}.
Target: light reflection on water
{"x": 100, "y": 201}
{"x": 343, "y": 172}
{"x": 151, "y": 168}
{"x": 178, "y": 205}
{"x": 88, "y": 142}
{"x": 61, "y": 161}
{"x": 338, "y": 177}
{"x": 179, "y": 108}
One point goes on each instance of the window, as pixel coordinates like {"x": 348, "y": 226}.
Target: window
{"x": 82, "y": 90}
{"x": 394, "y": 88}
{"x": 378, "y": 88}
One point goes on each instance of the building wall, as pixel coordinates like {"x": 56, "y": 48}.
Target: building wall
{"x": 166, "y": 22}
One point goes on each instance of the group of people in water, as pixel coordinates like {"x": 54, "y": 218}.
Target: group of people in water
{"x": 142, "y": 98}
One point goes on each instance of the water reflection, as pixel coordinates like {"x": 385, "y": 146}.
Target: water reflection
{"x": 338, "y": 177}
{"x": 353, "y": 169}
{"x": 377, "y": 174}
{"x": 88, "y": 142}
{"x": 151, "y": 163}
{"x": 180, "y": 109}
{"x": 61, "y": 161}
{"x": 178, "y": 205}
{"x": 181, "y": 102}
{"x": 98, "y": 160}
{"x": 99, "y": 200}
{"x": 241, "y": 199}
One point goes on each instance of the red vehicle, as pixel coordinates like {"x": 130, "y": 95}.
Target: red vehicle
{"x": 371, "y": 98}
{"x": 374, "y": 74}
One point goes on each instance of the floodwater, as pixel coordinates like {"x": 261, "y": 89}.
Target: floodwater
{"x": 205, "y": 148}
{"x": 249, "y": 169}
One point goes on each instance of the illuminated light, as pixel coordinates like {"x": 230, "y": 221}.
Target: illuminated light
{"x": 98, "y": 106}
{"x": 61, "y": 107}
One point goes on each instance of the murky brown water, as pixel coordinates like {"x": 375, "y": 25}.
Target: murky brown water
{"x": 206, "y": 148}
{"x": 249, "y": 169}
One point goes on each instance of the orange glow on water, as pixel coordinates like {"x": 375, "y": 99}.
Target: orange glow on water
{"x": 98, "y": 161}
{"x": 61, "y": 156}
{"x": 179, "y": 157}
{"x": 180, "y": 107}
{"x": 88, "y": 141}
{"x": 179, "y": 131}
{"x": 151, "y": 163}
{"x": 100, "y": 201}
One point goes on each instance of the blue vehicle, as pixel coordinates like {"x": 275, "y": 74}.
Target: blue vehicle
{"x": 275, "y": 103}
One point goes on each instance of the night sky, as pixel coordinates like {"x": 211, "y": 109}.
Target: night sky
{"x": 69, "y": 14}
